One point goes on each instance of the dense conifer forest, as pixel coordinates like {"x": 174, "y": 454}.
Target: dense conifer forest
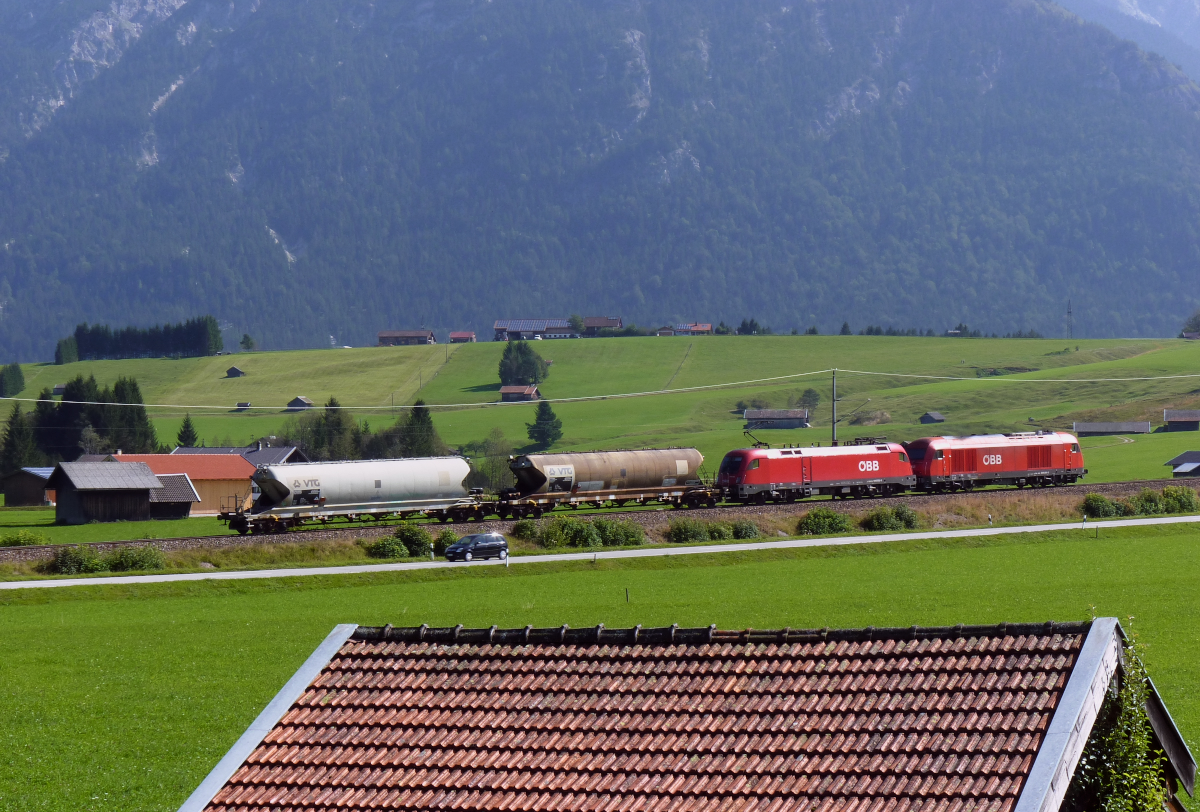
{"x": 319, "y": 172}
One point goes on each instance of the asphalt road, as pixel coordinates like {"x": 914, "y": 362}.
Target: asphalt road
{"x": 704, "y": 549}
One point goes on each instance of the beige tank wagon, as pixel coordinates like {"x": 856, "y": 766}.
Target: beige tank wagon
{"x": 597, "y": 478}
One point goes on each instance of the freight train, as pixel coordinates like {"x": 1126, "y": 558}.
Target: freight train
{"x": 297, "y": 493}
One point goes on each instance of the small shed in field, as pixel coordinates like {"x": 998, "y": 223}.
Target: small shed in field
{"x": 1104, "y": 429}
{"x": 931, "y": 417}
{"x": 461, "y": 337}
{"x": 175, "y": 499}
{"x": 102, "y": 492}
{"x": 27, "y": 486}
{"x": 775, "y": 419}
{"x": 516, "y": 394}
{"x": 1186, "y": 465}
{"x": 234, "y": 372}
{"x": 299, "y": 404}
{"x": 1182, "y": 419}
{"x": 59, "y": 390}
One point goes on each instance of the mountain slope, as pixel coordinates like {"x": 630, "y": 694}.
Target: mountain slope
{"x": 1178, "y": 44}
{"x": 340, "y": 166}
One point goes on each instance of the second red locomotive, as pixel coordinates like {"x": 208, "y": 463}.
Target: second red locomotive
{"x": 961, "y": 463}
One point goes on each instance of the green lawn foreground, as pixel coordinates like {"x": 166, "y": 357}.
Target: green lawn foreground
{"x": 125, "y": 697}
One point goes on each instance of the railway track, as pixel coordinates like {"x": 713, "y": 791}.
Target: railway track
{"x": 648, "y": 517}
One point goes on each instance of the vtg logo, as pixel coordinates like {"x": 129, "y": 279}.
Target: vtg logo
{"x": 991, "y": 459}
{"x": 868, "y": 465}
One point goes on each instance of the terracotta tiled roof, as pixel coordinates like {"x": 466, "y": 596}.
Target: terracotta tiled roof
{"x": 896, "y": 720}
{"x": 198, "y": 467}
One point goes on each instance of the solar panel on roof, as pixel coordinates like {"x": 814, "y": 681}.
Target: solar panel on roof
{"x": 1187, "y": 468}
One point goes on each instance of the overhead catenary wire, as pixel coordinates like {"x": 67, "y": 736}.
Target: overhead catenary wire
{"x": 1014, "y": 379}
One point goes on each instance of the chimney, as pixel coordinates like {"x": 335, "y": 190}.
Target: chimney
{"x": 259, "y": 448}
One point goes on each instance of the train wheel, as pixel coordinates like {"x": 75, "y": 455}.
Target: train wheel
{"x": 536, "y": 513}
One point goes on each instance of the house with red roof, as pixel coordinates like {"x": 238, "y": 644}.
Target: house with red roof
{"x": 946, "y": 719}
{"x": 221, "y": 481}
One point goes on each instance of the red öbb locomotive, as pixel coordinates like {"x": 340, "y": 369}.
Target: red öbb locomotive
{"x": 787, "y": 474}
{"x": 961, "y": 463}
{"x": 879, "y": 468}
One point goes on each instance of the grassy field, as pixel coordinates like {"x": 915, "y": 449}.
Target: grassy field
{"x": 41, "y": 520}
{"x": 124, "y": 697}
{"x": 1026, "y": 397}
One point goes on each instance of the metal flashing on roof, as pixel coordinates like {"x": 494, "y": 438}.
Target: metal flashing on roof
{"x": 1072, "y": 722}
{"x": 1186, "y": 468}
{"x": 266, "y": 720}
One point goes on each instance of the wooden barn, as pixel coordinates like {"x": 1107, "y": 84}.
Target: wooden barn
{"x": 102, "y": 492}
{"x": 174, "y": 499}
{"x": 27, "y": 486}
{"x": 218, "y": 479}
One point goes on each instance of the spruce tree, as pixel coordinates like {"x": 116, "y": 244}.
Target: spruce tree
{"x": 420, "y": 438}
{"x": 520, "y": 364}
{"x": 18, "y": 450}
{"x": 546, "y": 428}
{"x": 12, "y": 380}
{"x": 846, "y": 331}
{"x": 187, "y": 436}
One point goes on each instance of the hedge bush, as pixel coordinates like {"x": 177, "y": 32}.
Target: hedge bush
{"x": 1098, "y": 506}
{"x": 135, "y": 558}
{"x": 525, "y": 530}
{"x": 745, "y": 529}
{"x": 1146, "y": 503}
{"x": 901, "y": 517}
{"x": 1179, "y": 499}
{"x": 444, "y": 539}
{"x": 567, "y": 531}
{"x": 822, "y": 521}
{"x": 22, "y": 538}
{"x": 907, "y": 517}
{"x": 416, "y": 539}
{"x": 880, "y": 519}
{"x": 619, "y": 532}
{"x": 386, "y": 547}
{"x": 682, "y": 531}
{"x": 719, "y": 531}
{"x": 74, "y": 560}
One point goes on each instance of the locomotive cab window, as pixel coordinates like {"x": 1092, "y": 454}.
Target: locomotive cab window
{"x": 941, "y": 455}
{"x": 1075, "y": 447}
{"x": 755, "y": 464}
{"x": 903, "y": 457}
{"x": 730, "y": 465}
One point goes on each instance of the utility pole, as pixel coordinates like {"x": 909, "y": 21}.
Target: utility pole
{"x": 1070, "y": 321}
{"x": 834, "y": 399}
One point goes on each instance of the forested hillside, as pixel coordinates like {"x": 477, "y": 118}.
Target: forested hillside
{"x": 336, "y": 167}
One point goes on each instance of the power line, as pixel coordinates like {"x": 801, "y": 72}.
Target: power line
{"x": 258, "y": 410}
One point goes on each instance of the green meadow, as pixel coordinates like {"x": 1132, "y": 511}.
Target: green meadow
{"x": 1026, "y": 385}
{"x": 124, "y": 697}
